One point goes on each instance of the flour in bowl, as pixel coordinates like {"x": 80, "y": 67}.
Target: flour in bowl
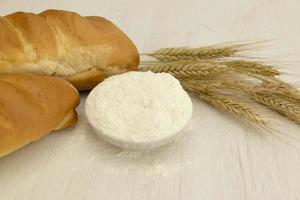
{"x": 139, "y": 110}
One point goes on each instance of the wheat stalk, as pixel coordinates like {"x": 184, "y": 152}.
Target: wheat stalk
{"x": 252, "y": 67}
{"x": 209, "y": 52}
{"x": 277, "y": 96}
{"x": 228, "y": 104}
{"x": 275, "y": 101}
{"x": 184, "y": 69}
{"x": 284, "y": 107}
{"x": 208, "y": 67}
{"x": 258, "y": 93}
{"x": 283, "y": 89}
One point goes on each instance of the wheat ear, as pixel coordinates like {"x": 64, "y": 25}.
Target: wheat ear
{"x": 283, "y": 89}
{"x": 209, "y": 52}
{"x": 279, "y": 101}
{"x": 206, "y": 67}
{"x": 251, "y": 67}
{"x": 183, "y": 69}
{"x": 284, "y": 107}
{"x": 260, "y": 94}
{"x": 228, "y": 104}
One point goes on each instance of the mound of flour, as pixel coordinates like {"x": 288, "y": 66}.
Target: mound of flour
{"x": 138, "y": 110}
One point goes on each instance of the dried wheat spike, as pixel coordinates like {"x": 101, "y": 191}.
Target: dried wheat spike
{"x": 210, "y": 52}
{"x": 251, "y": 67}
{"x": 184, "y": 69}
{"x": 274, "y": 97}
{"x": 281, "y": 88}
{"x": 229, "y": 105}
{"x": 258, "y": 93}
{"x": 286, "y": 108}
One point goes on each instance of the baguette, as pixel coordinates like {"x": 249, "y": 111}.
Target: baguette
{"x": 32, "y": 106}
{"x": 82, "y": 50}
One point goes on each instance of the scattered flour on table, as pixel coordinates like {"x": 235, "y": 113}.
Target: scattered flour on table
{"x": 136, "y": 110}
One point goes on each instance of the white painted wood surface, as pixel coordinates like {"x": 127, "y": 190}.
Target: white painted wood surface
{"x": 217, "y": 158}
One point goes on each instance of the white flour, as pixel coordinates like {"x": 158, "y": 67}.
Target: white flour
{"x": 139, "y": 110}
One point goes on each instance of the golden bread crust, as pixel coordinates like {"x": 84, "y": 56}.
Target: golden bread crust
{"x": 65, "y": 44}
{"x": 32, "y": 106}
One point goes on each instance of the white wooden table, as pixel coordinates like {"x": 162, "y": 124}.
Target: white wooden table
{"x": 217, "y": 158}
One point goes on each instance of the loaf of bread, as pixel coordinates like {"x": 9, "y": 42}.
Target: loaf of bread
{"x": 32, "y": 106}
{"x": 82, "y": 50}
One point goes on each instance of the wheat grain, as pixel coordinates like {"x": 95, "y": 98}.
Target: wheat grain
{"x": 210, "y": 52}
{"x": 229, "y": 105}
{"x": 184, "y": 69}
{"x": 251, "y": 67}
{"x": 205, "y": 85}
{"x": 242, "y": 67}
{"x": 285, "y": 108}
{"x": 217, "y": 84}
{"x": 279, "y": 103}
{"x": 283, "y": 89}
{"x": 283, "y": 104}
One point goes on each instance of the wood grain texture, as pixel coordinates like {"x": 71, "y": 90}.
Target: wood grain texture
{"x": 216, "y": 158}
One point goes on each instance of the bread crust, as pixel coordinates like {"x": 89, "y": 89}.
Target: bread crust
{"x": 31, "y": 106}
{"x": 65, "y": 44}
{"x": 69, "y": 120}
{"x": 87, "y": 80}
